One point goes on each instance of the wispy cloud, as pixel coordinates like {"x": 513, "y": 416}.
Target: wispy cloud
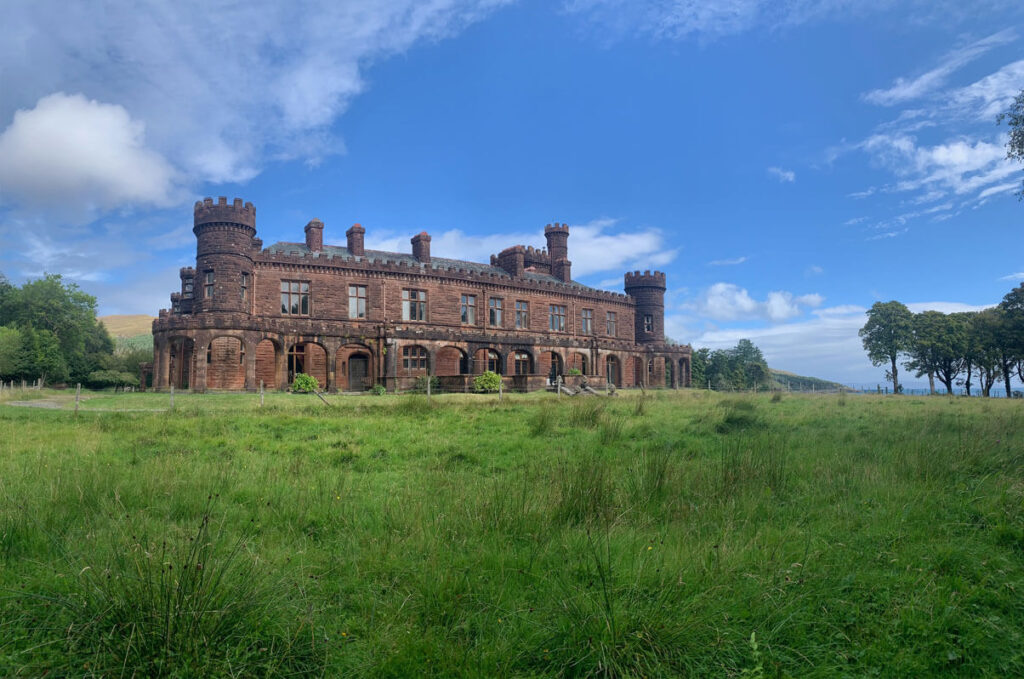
{"x": 1019, "y": 276}
{"x": 727, "y": 262}
{"x": 904, "y": 89}
{"x": 784, "y": 176}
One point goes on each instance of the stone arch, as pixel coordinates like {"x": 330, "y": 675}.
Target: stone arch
{"x": 451, "y": 361}
{"x": 613, "y": 370}
{"x": 556, "y": 365}
{"x": 225, "y": 363}
{"x": 269, "y": 355}
{"x": 355, "y": 367}
{"x": 670, "y": 373}
{"x": 520, "y": 362}
{"x": 181, "y": 361}
{"x": 309, "y": 358}
{"x": 487, "y": 358}
{"x": 684, "y": 372}
{"x": 578, "y": 361}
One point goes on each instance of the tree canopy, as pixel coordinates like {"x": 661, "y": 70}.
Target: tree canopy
{"x": 1014, "y": 117}
{"x": 888, "y": 335}
{"x": 51, "y": 331}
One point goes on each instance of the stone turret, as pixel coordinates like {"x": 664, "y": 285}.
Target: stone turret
{"x": 557, "y": 236}
{"x": 648, "y": 291}
{"x": 225, "y": 245}
{"x": 421, "y": 246}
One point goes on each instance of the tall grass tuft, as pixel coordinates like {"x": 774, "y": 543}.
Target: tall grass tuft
{"x": 585, "y": 492}
{"x": 586, "y": 413}
{"x": 175, "y": 608}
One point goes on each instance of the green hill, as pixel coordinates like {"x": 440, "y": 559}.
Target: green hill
{"x": 781, "y": 379}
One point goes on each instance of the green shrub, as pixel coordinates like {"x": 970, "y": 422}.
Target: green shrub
{"x": 574, "y": 371}
{"x": 378, "y": 390}
{"x": 488, "y": 382}
{"x": 304, "y": 384}
{"x": 104, "y": 379}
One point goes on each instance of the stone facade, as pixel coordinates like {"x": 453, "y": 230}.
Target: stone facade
{"x": 353, "y": 317}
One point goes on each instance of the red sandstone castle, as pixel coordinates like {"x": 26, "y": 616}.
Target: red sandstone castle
{"x": 354, "y": 318}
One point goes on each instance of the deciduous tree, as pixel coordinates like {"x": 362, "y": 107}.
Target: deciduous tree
{"x": 938, "y": 346}
{"x": 887, "y": 336}
{"x": 1014, "y": 117}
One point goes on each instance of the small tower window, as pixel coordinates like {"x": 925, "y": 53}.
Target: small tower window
{"x": 245, "y": 286}
{"x": 648, "y": 323}
{"x": 208, "y": 285}
{"x": 187, "y": 289}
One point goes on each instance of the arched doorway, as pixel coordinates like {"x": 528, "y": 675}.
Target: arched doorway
{"x": 578, "y": 361}
{"x": 225, "y": 364}
{"x": 613, "y": 371}
{"x": 557, "y": 368}
{"x": 354, "y": 368}
{"x": 670, "y": 376}
{"x": 267, "y": 352}
{"x": 309, "y": 358}
{"x": 179, "y": 354}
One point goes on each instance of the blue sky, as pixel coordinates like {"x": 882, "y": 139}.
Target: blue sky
{"x": 787, "y": 164}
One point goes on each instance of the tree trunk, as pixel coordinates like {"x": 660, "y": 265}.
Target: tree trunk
{"x": 1007, "y": 375}
{"x": 948, "y": 382}
{"x": 931, "y": 384}
{"x": 967, "y": 382}
{"x": 895, "y": 377}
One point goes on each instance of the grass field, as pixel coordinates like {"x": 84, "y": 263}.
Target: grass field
{"x": 679, "y": 534}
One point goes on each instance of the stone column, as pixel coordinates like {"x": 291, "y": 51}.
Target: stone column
{"x": 251, "y": 383}
{"x": 163, "y": 364}
{"x": 281, "y": 364}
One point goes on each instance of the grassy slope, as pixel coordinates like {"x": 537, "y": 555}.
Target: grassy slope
{"x": 128, "y": 325}
{"x": 782, "y": 379}
{"x": 536, "y": 537}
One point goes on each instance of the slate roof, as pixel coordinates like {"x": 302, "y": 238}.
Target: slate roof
{"x": 384, "y": 257}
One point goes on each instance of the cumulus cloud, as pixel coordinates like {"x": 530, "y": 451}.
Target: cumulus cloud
{"x": 784, "y": 176}
{"x": 220, "y": 88}
{"x": 903, "y": 89}
{"x": 729, "y": 302}
{"x": 73, "y": 154}
{"x": 594, "y": 247}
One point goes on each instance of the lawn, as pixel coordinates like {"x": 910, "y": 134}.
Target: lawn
{"x": 674, "y": 534}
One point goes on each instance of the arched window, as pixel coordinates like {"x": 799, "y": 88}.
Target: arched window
{"x": 493, "y": 361}
{"x": 522, "y": 363}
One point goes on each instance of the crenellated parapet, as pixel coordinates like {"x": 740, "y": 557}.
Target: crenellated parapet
{"x": 647, "y": 279}
{"x": 208, "y": 212}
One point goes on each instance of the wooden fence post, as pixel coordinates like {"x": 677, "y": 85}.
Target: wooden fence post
{"x": 78, "y": 393}
{"x": 172, "y": 397}
{"x": 261, "y": 393}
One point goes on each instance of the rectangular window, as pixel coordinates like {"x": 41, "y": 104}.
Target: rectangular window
{"x": 414, "y": 358}
{"x": 357, "y": 301}
{"x": 469, "y": 309}
{"x": 208, "y": 285}
{"x": 556, "y": 317}
{"x": 295, "y": 298}
{"x": 522, "y": 363}
{"x": 610, "y": 319}
{"x": 494, "y": 312}
{"x": 189, "y": 283}
{"x": 648, "y": 323}
{"x": 245, "y": 286}
{"x": 414, "y": 305}
{"x": 587, "y": 321}
{"x": 522, "y": 314}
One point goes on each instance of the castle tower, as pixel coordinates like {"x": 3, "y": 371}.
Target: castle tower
{"x": 557, "y": 236}
{"x": 648, "y": 291}
{"x": 225, "y": 244}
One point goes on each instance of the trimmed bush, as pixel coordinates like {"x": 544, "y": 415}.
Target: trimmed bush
{"x": 304, "y": 384}
{"x": 488, "y": 382}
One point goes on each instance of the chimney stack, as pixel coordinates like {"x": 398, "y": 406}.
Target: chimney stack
{"x": 315, "y": 235}
{"x": 355, "y": 240}
{"x": 421, "y": 246}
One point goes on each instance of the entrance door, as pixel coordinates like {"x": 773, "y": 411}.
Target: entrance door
{"x": 358, "y": 371}
{"x": 612, "y": 370}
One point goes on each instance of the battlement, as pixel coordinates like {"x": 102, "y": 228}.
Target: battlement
{"x": 647, "y": 279}
{"x": 187, "y": 272}
{"x": 208, "y": 212}
{"x": 556, "y": 227}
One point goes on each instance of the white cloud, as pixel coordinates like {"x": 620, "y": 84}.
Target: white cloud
{"x": 1019, "y": 276}
{"x": 1001, "y": 188}
{"x": 945, "y": 307}
{"x": 729, "y": 302}
{"x": 74, "y": 155}
{"x": 904, "y": 90}
{"x": 991, "y": 95}
{"x": 814, "y": 270}
{"x": 684, "y": 19}
{"x": 784, "y": 176}
{"x": 727, "y": 262}
{"x": 594, "y": 247}
{"x": 854, "y": 221}
{"x": 220, "y": 88}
